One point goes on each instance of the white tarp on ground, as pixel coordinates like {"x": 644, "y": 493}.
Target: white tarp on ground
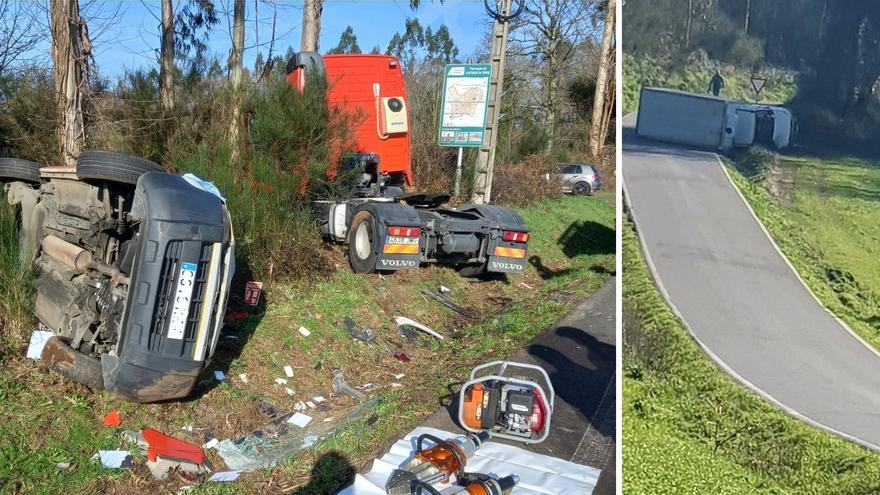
{"x": 538, "y": 474}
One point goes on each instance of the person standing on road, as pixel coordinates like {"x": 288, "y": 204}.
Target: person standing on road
{"x": 716, "y": 84}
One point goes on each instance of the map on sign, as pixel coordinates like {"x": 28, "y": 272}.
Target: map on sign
{"x": 463, "y": 109}
{"x": 465, "y": 102}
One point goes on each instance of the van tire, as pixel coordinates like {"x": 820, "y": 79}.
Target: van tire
{"x": 17, "y": 169}
{"x": 362, "y": 243}
{"x": 114, "y": 167}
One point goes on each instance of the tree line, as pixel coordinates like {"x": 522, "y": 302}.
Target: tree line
{"x": 556, "y": 55}
{"x": 834, "y": 45}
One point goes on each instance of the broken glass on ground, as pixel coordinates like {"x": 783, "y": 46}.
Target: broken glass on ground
{"x": 261, "y": 450}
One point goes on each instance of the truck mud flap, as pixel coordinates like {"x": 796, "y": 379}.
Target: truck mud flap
{"x": 501, "y": 264}
{"x": 397, "y": 262}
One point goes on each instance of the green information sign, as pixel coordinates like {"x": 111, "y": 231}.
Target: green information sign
{"x": 463, "y": 109}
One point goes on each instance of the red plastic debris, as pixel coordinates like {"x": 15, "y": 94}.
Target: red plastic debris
{"x": 160, "y": 444}
{"x": 112, "y": 419}
{"x": 402, "y": 357}
{"x": 236, "y": 315}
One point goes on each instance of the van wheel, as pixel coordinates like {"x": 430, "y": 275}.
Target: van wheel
{"x": 362, "y": 243}
{"x": 23, "y": 170}
{"x": 583, "y": 189}
{"x": 114, "y": 167}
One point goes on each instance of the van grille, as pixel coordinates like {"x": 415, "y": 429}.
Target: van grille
{"x": 167, "y": 284}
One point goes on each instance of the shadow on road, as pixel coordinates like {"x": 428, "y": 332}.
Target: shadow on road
{"x": 581, "y": 374}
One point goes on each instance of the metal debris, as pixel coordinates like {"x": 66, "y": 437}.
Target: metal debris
{"x": 340, "y": 387}
{"x": 449, "y": 303}
{"x": 364, "y": 334}
{"x": 404, "y": 321}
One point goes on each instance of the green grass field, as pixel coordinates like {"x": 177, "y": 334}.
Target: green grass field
{"x": 829, "y": 229}
{"x": 45, "y": 420}
{"x": 688, "y": 428}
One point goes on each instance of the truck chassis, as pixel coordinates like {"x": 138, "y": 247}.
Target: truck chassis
{"x": 406, "y": 231}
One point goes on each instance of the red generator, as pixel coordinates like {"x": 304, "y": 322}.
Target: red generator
{"x": 385, "y": 229}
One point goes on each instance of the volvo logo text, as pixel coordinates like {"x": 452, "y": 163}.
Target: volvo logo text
{"x": 506, "y": 266}
{"x": 398, "y": 263}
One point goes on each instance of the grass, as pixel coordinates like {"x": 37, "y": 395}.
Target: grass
{"x": 824, "y": 218}
{"x": 46, "y": 420}
{"x": 694, "y": 76}
{"x": 688, "y": 428}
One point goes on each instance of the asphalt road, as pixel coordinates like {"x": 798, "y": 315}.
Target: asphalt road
{"x": 739, "y": 297}
{"x": 579, "y": 355}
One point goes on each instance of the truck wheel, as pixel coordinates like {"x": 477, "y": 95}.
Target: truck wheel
{"x": 115, "y": 167}
{"x": 23, "y": 170}
{"x": 477, "y": 270}
{"x": 361, "y": 243}
{"x": 583, "y": 189}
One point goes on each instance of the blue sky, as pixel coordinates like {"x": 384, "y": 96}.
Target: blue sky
{"x": 132, "y": 41}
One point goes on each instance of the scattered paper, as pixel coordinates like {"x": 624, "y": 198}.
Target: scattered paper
{"x": 38, "y": 341}
{"x": 328, "y": 419}
{"x": 304, "y": 331}
{"x": 318, "y": 399}
{"x": 300, "y": 419}
{"x": 289, "y": 391}
{"x": 188, "y": 428}
{"x": 288, "y": 371}
{"x": 219, "y": 375}
{"x": 113, "y": 459}
{"x": 399, "y": 376}
{"x": 281, "y": 381}
{"x": 243, "y": 377}
{"x": 311, "y": 404}
{"x": 224, "y": 476}
{"x": 396, "y": 385}
{"x": 444, "y": 289}
{"x": 210, "y": 444}
{"x": 299, "y": 406}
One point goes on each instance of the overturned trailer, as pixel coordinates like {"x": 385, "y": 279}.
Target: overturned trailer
{"x": 384, "y": 228}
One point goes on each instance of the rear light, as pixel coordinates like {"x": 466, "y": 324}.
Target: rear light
{"x": 511, "y": 236}
{"x": 404, "y": 231}
{"x": 509, "y": 252}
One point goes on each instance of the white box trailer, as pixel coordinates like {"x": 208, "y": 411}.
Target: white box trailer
{"x": 685, "y": 118}
{"x": 710, "y": 122}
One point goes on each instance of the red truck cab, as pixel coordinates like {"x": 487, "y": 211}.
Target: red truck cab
{"x": 370, "y": 89}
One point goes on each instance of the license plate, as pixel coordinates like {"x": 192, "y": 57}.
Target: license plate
{"x": 182, "y": 300}
{"x": 390, "y": 239}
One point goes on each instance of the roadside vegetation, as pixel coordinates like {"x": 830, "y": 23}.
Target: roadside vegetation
{"x": 693, "y": 73}
{"x": 691, "y": 429}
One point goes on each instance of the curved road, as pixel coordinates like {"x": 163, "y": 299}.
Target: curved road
{"x": 739, "y": 297}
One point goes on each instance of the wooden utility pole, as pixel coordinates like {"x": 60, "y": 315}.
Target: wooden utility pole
{"x": 311, "y": 25}
{"x": 166, "y": 58}
{"x": 235, "y": 77}
{"x": 605, "y": 56}
{"x": 71, "y": 49}
{"x": 486, "y": 155}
